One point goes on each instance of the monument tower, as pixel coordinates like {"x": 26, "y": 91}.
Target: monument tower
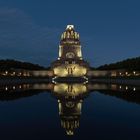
{"x": 70, "y": 61}
{"x": 70, "y": 47}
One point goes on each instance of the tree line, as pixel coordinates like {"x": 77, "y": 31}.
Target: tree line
{"x": 129, "y": 64}
{"x": 13, "y": 64}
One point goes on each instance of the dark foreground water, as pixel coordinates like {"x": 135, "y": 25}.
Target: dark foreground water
{"x": 43, "y": 112}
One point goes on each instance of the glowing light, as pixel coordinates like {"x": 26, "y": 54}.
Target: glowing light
{"x": 70, "y": 27}
{"x": 73, "y": 69}
{"x": 126, "y": 88}
{"x": 120, "y": 87}
{"x": 6, "y": 88}
{"x": 134, "y": 72}
{"x": 134, "y": 89}
{"x": 72, "y": 90}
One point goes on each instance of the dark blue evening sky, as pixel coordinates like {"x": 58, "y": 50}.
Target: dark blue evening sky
{"x": 30, "y": 29}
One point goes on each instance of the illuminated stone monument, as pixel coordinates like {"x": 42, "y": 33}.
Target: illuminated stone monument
{"x": 70, "y": 62}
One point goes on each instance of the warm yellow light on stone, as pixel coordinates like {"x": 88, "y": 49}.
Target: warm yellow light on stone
{"x": 60, "y": 51}
{"x": 79, "y": 53}
{"x": 60, "y": 71}
{"x": 70, "y": 70}
{"x": 70, "y": 62}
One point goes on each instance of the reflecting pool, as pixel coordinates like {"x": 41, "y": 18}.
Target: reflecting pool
{"x": 43, "y": 111}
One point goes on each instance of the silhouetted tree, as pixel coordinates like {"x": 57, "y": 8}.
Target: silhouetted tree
{"x": 129, "y": 64}
{"x": 13, "y": 64}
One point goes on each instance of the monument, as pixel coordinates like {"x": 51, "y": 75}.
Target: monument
{"x": 70, "y": 62}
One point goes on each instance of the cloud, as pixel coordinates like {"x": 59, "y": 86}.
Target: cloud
{"x": 21, "y": 38}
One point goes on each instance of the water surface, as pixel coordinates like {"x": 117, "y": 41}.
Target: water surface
{"x": 75, "y": 111}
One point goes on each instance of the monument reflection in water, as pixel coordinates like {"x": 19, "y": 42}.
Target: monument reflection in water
{"x": 70, "y": 98}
